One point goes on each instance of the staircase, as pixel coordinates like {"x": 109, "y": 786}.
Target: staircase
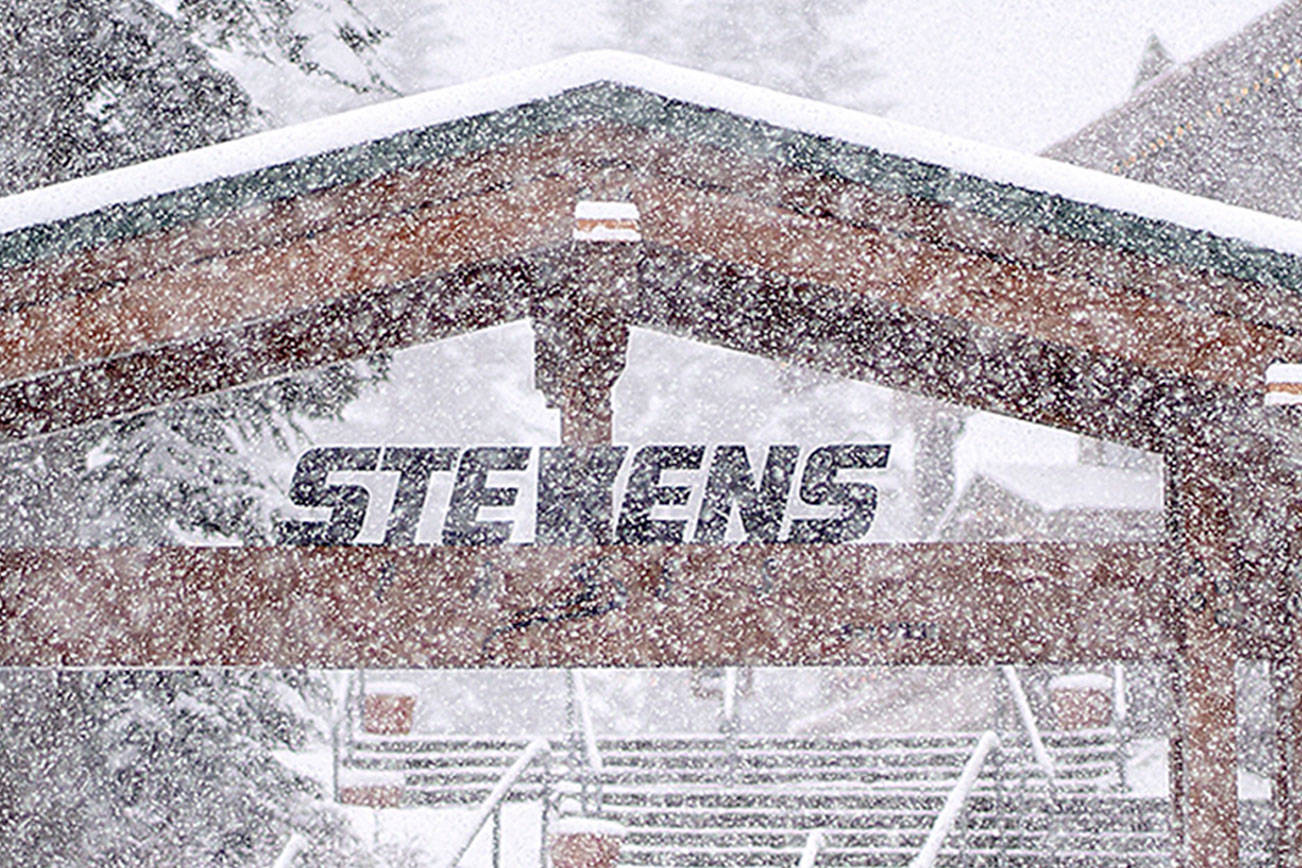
{"x": 752, "y": 800}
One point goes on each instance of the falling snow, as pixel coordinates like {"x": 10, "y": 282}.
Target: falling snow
{"x": 608, "y": 434}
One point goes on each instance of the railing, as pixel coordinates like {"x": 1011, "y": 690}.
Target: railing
{"x": 814, "y": 843}
{"x": 342, "y": 719}
{"x": 1120, "y": 722}
{"x": 590, "y": 752}
{"x": 295, "y": 845}
{"x": 588, "y": 767}
{"x": 1038, "y": 750}
{"x": 492, "y": 806}
{"x": 954, "y": 802}
{"x": 728, "y": 725}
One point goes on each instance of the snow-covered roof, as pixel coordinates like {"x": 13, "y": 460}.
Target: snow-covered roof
{"x": 625, "y": 88}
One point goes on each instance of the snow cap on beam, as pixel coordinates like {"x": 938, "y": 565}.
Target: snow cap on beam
{"x": 605, "y": 221}
{"x": 1283, "y": 383}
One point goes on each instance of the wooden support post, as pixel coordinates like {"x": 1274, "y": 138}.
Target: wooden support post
{"x": 581, "y": 335}
{"x": 1205, "y": 766}
{"x": 1286, "y": 681}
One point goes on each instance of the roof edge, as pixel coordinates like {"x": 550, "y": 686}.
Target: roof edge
{"x": 1069, "y": 200}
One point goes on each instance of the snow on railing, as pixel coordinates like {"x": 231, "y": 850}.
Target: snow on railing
{"x": 1120, "y": 724}
{"x": 1038, "y": 750}
{"x": 730, "y": 694}
{"x": 538, "y": 749}
{"x": 591, "y": 754}
{"x": 954, "y": 802}
{"x": 813, "y": 844}
{"x": 293, "y": 847}
{"x": 1119, "y": 708}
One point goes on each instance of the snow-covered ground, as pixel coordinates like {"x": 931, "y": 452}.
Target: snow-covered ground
{"x": 431, "y": 835}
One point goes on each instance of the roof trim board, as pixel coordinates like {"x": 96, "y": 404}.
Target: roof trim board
{"x": 613, "y": 87}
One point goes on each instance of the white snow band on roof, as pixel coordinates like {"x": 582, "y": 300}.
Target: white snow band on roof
{"x": 1081, "y": 681}
{"x": 230, "y": 159}
{"x": 392, "y": 688}
{"x": 588, "y": 209}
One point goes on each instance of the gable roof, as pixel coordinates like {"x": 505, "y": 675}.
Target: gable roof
{"x": 614, "y": 87}
{"x": 770, "y": 224}
{"x": 1225, "y": 124}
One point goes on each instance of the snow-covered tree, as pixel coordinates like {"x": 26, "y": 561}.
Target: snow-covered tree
{"x": 154, "y": 768}
{"x": 126, "y": 768}
{"x": 89, "y": 85}
{"x": 199, "y": 468}
{"x": 305, "y": 58}
{"x": 808, "y": 48}
{"x": 328, "y": 38}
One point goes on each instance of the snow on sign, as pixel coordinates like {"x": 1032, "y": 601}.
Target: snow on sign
{"x": 576, "y": 489}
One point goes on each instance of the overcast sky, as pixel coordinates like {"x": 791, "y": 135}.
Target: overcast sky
{"x": 1014, "y": 73}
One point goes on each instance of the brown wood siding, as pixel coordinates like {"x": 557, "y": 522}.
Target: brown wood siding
{"x": 522, "y": 606}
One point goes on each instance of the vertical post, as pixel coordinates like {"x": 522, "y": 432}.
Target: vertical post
{"x": 1205, "y": 765}
{"x": 1175, "y": 760}
{"x": 334, "y": 760}
{"x": 1120, "y": 723}
{"x": 497, "y": 836}
{"x": 1286, "y": 681}
{"x": 997, "y": 724}
{"x": 580, "y": 324}
{"x": 544, "y": 821}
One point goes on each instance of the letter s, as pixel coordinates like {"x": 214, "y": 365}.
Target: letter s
{"x": 818, "y": 487}
{"x": 347, "y": 502}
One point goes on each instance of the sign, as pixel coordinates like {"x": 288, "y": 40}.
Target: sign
{"x": 576, "y": 491}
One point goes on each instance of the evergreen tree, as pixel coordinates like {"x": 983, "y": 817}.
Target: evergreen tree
{"x": 799, "y": 48}
{"x": 129, "y": 768}
{"x": 307, "y": 34}
{"x": 89, "y": 85}
{"x": 157, "y": 768}
{"x": 194, "y": 469}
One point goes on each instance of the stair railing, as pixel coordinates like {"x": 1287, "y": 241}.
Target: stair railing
{"x": 814, "y": 843}
{"x": 1029, "y": 726}
{"x": 295, "y": 845}
{"x": 1120, "y": 722}
{"x": 728, "y": 726}
{"x": 1038, "y": 751}
{"x": 537, "y": 750}
{"x": 955, "y": 802}
{"x": 590, "y": 766}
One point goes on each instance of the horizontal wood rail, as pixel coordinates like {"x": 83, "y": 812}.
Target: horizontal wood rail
{"x": 371, "y": 606}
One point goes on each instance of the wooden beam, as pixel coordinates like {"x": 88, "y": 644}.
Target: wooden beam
{"x": 910, "y": 348}
{"x": 210, "y": 295}
{"x": 590, "y": 606}
{"x": 427, "y": 309}
{"x": 1207, "y": 766}
{"x": 579, "y": 311}
{"x": 1286, "y": 794}
{"x": 976, "y": 287}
